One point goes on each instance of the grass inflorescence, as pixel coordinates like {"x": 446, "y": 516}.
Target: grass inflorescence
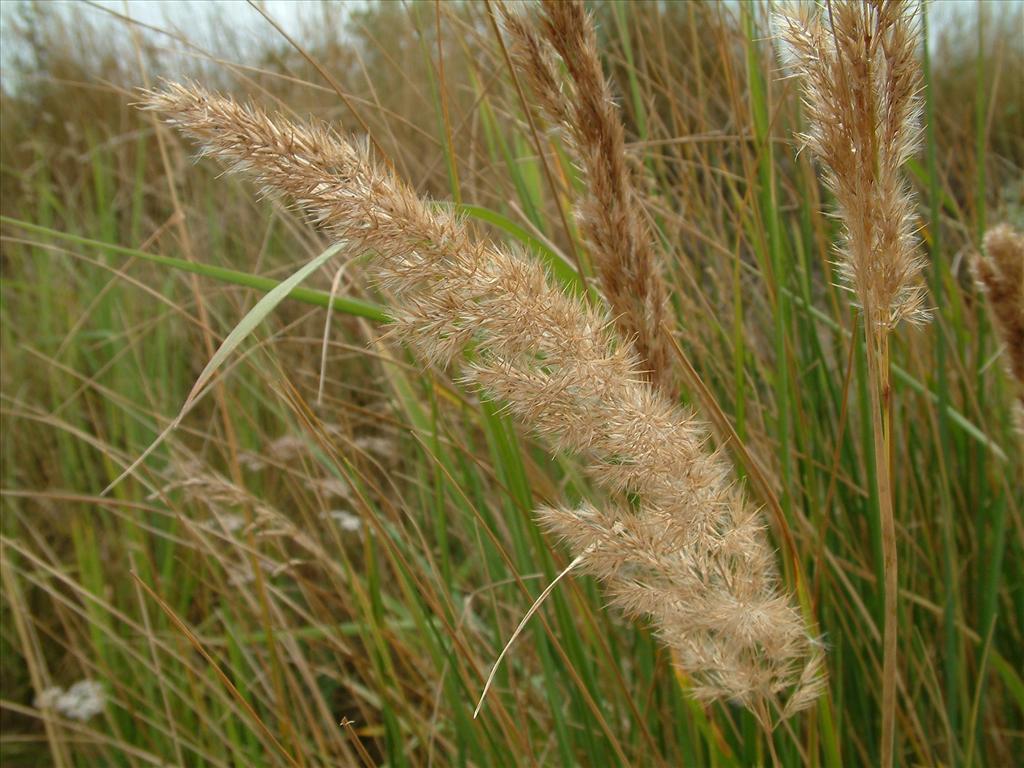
{"x": 596, "y": 323}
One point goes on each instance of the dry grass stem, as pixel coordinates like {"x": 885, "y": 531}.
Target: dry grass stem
{"x": 610, "y": 214}
{"x": 690, "y": 554}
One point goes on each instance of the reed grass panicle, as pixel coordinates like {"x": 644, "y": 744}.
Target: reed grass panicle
{"x": 1000, "y": 271}
{"x": 690, "y": 553}
{"x": 861, "y": 84}
{"x": 610, "y": 213}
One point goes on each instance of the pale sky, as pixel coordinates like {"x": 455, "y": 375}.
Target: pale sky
{"x": 200, "y": 20}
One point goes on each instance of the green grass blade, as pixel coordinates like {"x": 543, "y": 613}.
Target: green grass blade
{"x": 239, "y": 333}
{"x": 314, "y": 297}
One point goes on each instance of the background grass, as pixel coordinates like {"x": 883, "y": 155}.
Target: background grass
{"x": 293, "y": 582}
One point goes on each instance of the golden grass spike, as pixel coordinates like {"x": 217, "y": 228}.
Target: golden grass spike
{"x": 610, "y": 215}
{"x": 1001, "y": 272}
{"x": 861, "y": 82}
{"x": 861, "y": 78}
{"x": 692, "y": 555}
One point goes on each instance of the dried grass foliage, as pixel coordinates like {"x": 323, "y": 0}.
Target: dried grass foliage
{"x": 690, "y": 554}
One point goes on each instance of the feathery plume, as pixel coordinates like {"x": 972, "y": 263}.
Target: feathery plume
{"x": 691, "y": 555}
{"x": 1001, "y": 273}
{"x": 610, "y": 214}
{"x": 861, "y": 83}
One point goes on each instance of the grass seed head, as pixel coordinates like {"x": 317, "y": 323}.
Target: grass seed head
{"x": 861, "y": 80}
{"x": 692, "y": 556}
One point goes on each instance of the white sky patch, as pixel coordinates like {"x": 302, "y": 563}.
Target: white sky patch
{"x": 236, "y": 31}
{"x": 206, "y": 24}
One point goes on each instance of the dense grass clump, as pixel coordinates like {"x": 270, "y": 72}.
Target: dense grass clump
{"x": 321, "y": 563}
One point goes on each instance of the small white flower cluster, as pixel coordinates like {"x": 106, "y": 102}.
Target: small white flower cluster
{"x": 346, "y": 520}
{"x": 81, "y": 701}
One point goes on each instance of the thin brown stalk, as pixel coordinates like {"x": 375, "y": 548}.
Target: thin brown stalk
{"x": 610, "y": 212}
{"x": 877, "y": 343}
{"x": 689, "y": 552}
{"x": 861, "y": 80}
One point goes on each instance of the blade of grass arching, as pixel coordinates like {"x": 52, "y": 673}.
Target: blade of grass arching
{"x": 239, "y": 333}
{"x": 953, "y": 649}
{"x": 310, "y": 296}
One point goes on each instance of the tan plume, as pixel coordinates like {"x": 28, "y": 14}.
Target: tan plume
{"x": 609, "y": 212}
{"x": 1001, "y": 272}
{"x": 861, "y": 82}
{"x": 691, "y": 554}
